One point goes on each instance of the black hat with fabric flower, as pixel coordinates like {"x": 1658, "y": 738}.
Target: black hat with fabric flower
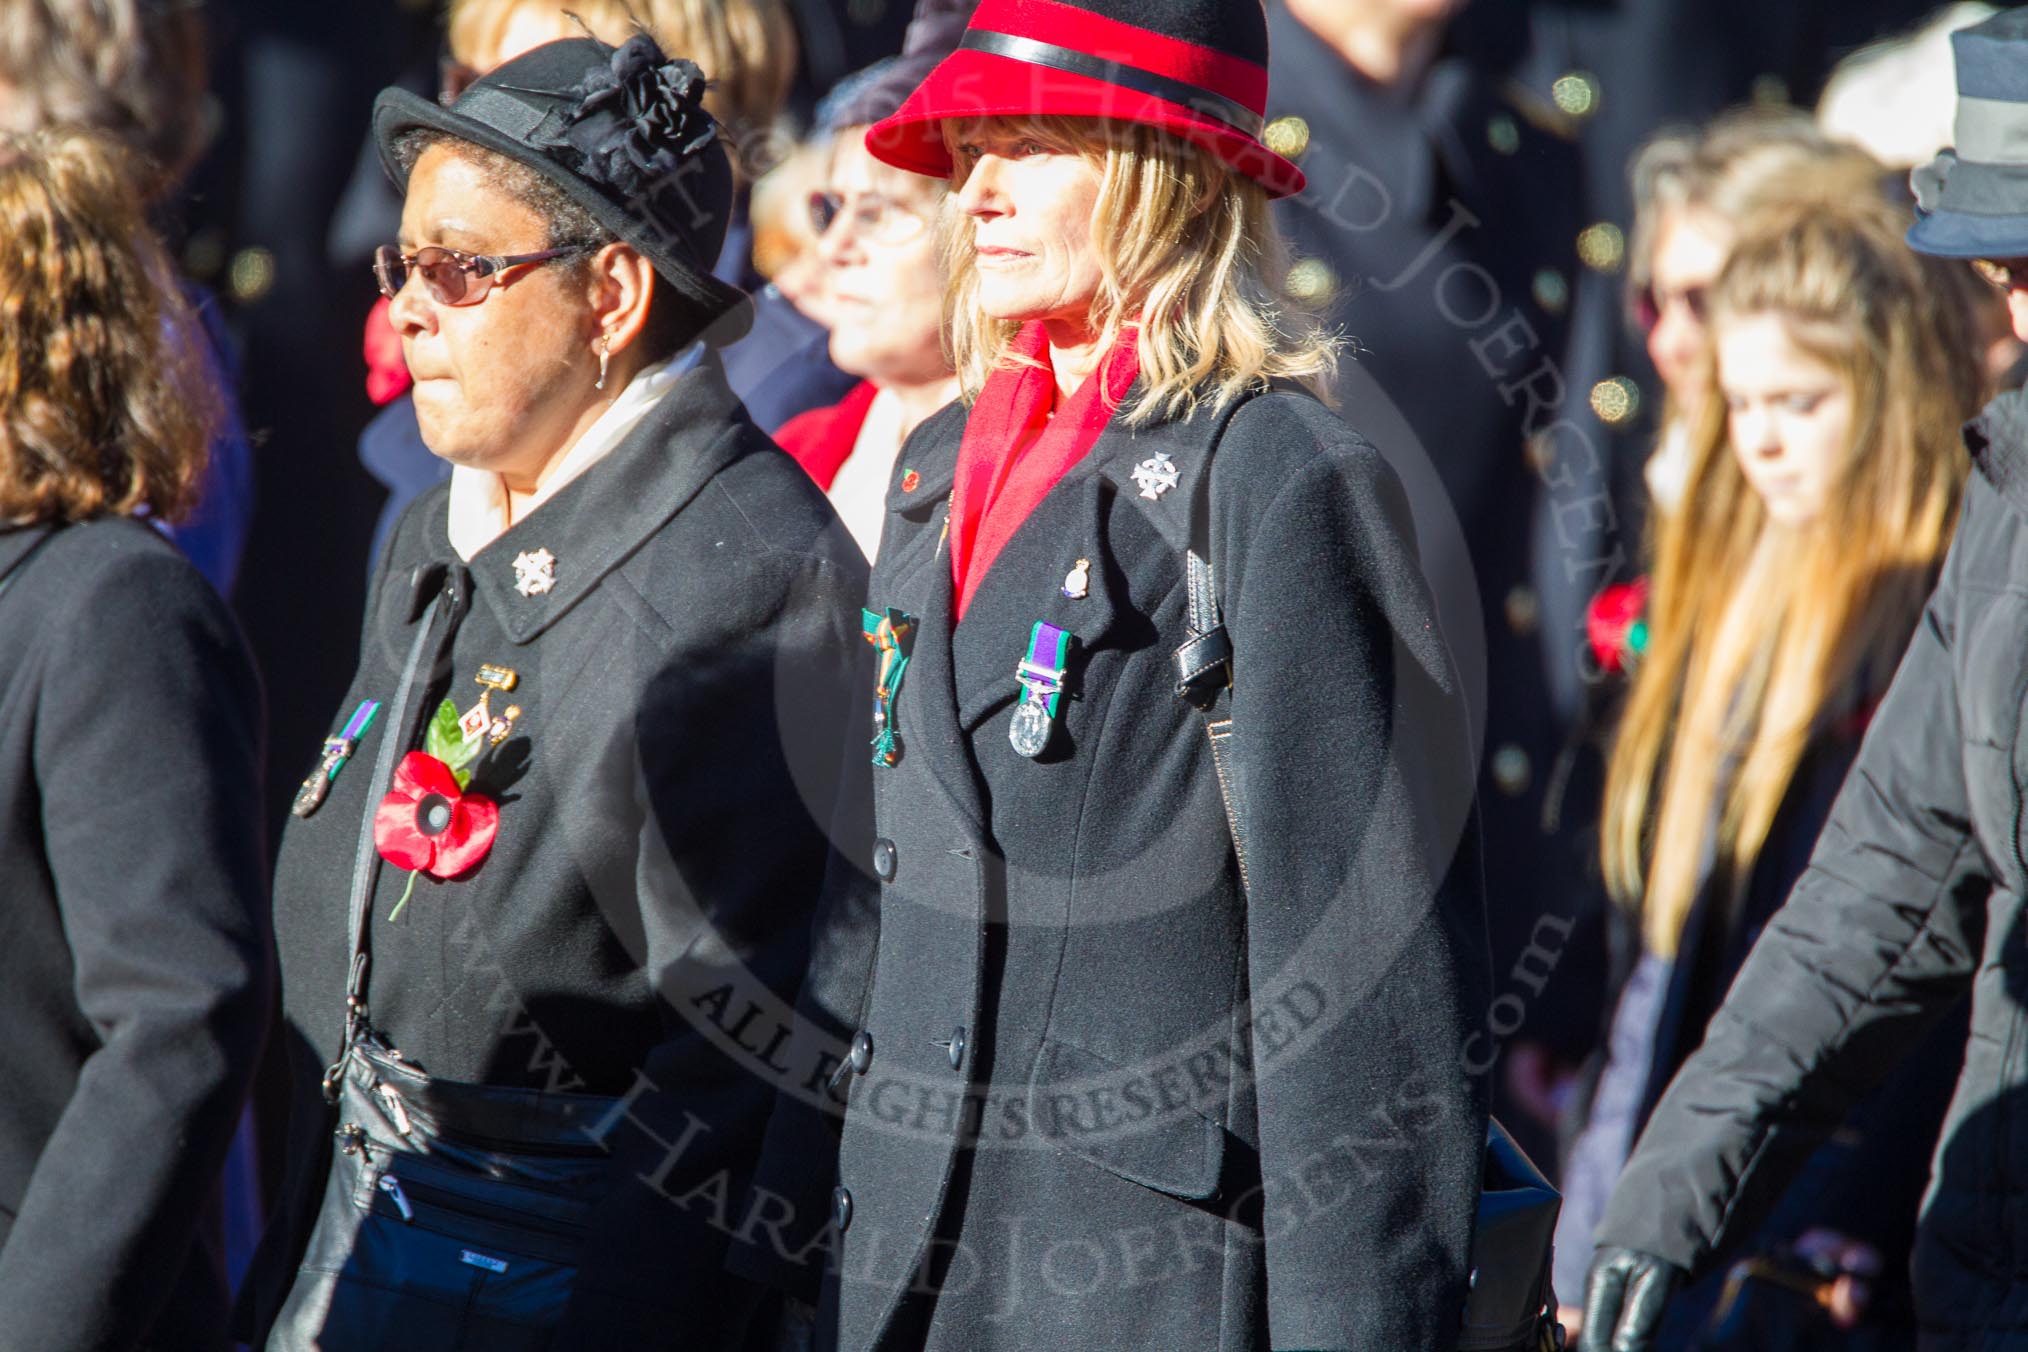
{"x": 623, "y": 133}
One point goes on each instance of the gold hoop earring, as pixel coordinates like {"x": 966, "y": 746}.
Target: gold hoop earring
{"x": 605, "y": 355}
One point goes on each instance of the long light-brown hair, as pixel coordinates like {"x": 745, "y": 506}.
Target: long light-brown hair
{"x": 105, "y": 403}
{"x": 1186, "y": 248}
{"x": 1759, "y": 633}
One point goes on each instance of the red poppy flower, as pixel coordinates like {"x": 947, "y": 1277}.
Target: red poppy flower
{"x": 428, "y": 823}
{"x": 1616, "y": 624}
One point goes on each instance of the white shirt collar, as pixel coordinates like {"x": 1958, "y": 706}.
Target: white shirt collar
{"x": 478, "y": 501}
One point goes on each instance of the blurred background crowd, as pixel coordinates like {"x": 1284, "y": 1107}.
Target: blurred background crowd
{"x": 1551, "y": 230}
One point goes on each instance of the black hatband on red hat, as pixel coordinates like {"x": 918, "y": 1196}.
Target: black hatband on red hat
{"x": 1038, "y": 53}
{"x": 1075, "y": 59}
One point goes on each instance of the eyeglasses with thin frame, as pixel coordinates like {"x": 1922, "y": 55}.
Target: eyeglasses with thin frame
{"x": 2003, "y": 274}
{"x": 871, "y": 217}
{"x": 452, "y": 276}
{"x": 1653, "y": 300}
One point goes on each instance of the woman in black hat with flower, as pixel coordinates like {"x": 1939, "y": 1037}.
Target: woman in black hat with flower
{"x": 550, "y": 878}
{"x": 1157, "y": 996}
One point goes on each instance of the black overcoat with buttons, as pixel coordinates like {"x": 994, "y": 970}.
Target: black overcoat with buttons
{"x": 663, "y": 799}
{"x": 1111, "y": 1084}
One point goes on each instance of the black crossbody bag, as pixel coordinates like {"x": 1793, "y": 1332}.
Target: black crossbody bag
{"x": 1511, "y": 1307}
{"x": 453, "y": 1213}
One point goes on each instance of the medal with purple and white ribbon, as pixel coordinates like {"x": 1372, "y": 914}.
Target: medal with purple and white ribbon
{"x": 1041, "y": 676}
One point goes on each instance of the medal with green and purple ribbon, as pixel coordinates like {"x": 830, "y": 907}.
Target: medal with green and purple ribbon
{"x": 1041, "y": 676}
{"x": 337, "y": 750}
{"x": 892, "y": 634}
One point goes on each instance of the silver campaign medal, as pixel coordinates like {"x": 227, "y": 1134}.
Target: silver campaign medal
{"x": 1029, "y": 732}
{"x": 1040, "y": 674}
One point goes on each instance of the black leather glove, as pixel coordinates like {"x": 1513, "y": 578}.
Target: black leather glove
{"x": 1624, "y": 1296}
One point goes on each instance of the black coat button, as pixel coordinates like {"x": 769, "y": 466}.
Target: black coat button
{"x": 841, "y": 1208}
{"x": 957, "y": 1048}
{"x": 883, "y": 859}
{"x": 862, "y": 1051}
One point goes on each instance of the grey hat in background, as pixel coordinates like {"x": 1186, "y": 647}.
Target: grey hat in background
{"x": 1972, "y": 200}
{"x": 877, "y": 91}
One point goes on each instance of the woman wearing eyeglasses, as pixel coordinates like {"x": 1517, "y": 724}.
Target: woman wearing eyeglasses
{"x": 876, "y": 229}
{"x": 548, "y": 884}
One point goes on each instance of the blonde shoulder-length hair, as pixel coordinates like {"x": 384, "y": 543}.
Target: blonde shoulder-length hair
{"x": 1187, "y": 249}
{"x": 1761, "y": 634}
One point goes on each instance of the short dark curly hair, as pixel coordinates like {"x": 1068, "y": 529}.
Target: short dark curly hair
{"x": 673, "y": 321}
{"x": 106, "y": 402}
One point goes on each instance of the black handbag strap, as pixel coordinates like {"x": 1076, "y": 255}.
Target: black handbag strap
{"x": 1204, "y": 660}
{"x": 366, "y": 861}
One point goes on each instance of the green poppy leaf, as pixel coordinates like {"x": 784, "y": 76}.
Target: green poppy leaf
{"x": 446, "y": 741}
{"x": 443, "y": 738}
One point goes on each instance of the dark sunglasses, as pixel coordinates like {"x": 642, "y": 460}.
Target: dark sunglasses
{"x": 2003, "y": 273}
{"x": 454, "y": 278}
{"x": 1650, "y": 304}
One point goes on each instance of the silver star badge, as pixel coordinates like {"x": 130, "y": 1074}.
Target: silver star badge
{"x": 1156, "y": 475}
{"x": 534, "y": 573}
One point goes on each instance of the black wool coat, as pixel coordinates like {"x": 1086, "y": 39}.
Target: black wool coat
{"x": 133, "y": 916}
{"x": 663, "y": 795}
{"x": 1101, "y": 1094}
{"x": 1912, "y": 901}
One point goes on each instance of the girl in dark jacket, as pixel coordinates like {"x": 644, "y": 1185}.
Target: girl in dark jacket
{"x": 1823, "y": 481}
{"x": 133, "y": 900}
{"x": 1154, "y": 1003}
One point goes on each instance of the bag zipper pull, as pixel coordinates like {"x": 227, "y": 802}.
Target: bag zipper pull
{"x": 352, "y": 1140}
{"x": 395, "y": 1108}
{"x": 392, "y": 1187}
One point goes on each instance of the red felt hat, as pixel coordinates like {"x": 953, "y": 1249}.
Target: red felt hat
{"x": 1195, "y": 68}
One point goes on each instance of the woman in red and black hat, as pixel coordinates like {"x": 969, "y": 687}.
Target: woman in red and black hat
{"x": 1152, "y": 1008}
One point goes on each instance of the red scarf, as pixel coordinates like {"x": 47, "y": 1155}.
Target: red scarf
{"x": 1014, "y": 452}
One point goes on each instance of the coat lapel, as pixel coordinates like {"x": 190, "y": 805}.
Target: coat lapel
{"x": 545, "y": 564}
{"x": 1134, "y": 558}
{"x": 1026, "y": 585}
{"x": 930, "y": 705}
